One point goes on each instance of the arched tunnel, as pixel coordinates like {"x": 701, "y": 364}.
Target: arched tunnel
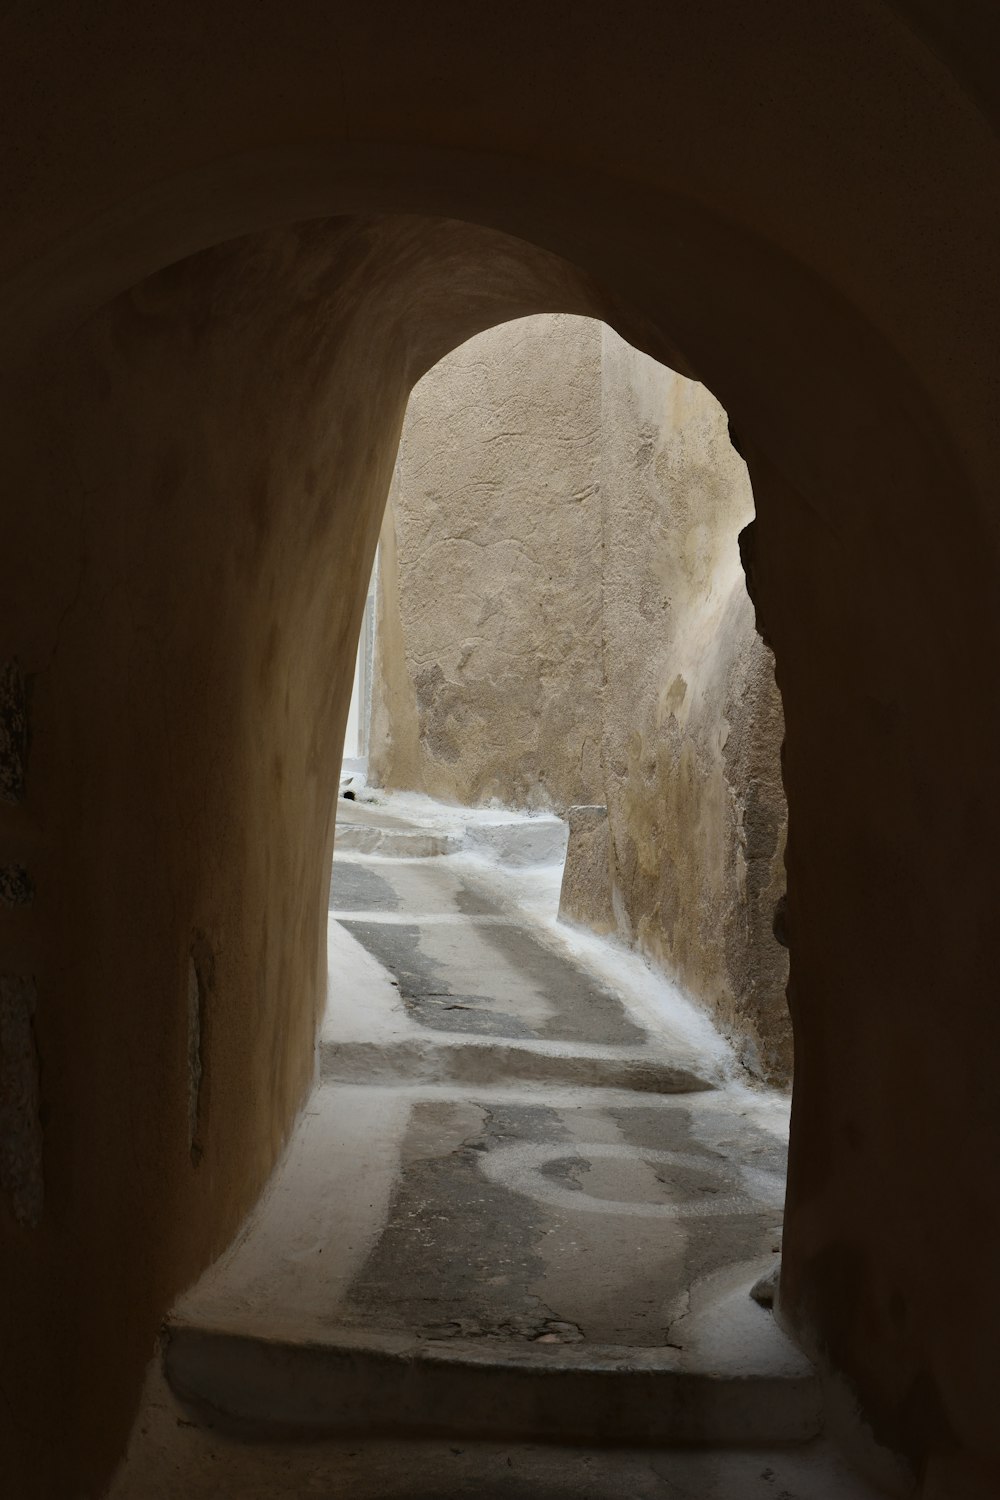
{"x": 233, "y": 240}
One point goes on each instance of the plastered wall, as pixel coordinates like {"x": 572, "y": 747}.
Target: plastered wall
{"x": 797, "y": 205}
{"x": 488, "y": 675}
{"x": 563, "y": 619}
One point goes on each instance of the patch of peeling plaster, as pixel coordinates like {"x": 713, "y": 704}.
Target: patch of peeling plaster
{"x": 13, "y": 732}
{"x": 21, "y": 1177}
{"x": 16, "y": 888}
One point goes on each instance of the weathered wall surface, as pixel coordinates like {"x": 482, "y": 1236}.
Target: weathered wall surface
{"x": 692, "y": 722}
{"x": 563, "y": 619}
{"x": 488, "y": 678}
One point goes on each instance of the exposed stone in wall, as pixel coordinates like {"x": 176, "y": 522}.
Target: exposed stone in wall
{"x": 13, "y": 732}
{"x": 587, "y": 892}
{"x": 21, "y": 1180}
{"x": 21, "y": 1168}
{"x": 564, "y": 620}
{"x": 16, "y": 888}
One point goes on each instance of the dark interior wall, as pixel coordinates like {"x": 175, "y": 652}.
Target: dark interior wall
{"x": 797, "y": 204}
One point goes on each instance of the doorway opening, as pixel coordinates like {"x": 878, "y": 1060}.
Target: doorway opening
{"x": 544, "y": 1149}
{"x": 548, "y": 1160}
{"x": 564, "y": 632}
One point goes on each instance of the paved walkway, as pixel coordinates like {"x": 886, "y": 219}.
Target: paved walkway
{"x": 524, "y": 1202}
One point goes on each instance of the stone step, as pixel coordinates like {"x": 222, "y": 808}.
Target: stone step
{"x": 517, "y": 842}
{"x": 394, "y": 843}
{"x": 484, "y": 1060}
{"x": 514, "y": 841}
{"x": 744, "y": 1385}
{"x": 511, "y": 1262}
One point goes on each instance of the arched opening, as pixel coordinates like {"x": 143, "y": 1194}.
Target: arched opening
{"x": 154, "y": 582}
{"x": 516, "y": 1151}
{"x": 257, "y": 563}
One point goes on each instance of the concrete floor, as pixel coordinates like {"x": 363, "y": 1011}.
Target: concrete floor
{"x": 524, "y": 1201}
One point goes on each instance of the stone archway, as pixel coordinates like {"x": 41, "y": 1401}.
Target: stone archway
{"x": 187, "y": 464}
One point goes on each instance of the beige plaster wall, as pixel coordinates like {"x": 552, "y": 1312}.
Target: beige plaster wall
{"x": 563, "y": 618}
{"x": 488, "y": 676}
{"x": 691, "y": 715}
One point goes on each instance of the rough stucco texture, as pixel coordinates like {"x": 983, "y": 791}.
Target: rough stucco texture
{"x": 487, "y": 681}
{"x": 563, "y": 619}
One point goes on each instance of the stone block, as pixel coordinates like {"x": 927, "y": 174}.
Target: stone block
{"x": 586, "y": 893}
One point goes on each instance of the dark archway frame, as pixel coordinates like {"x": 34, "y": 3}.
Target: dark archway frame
{"x": 847, "y": 320}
